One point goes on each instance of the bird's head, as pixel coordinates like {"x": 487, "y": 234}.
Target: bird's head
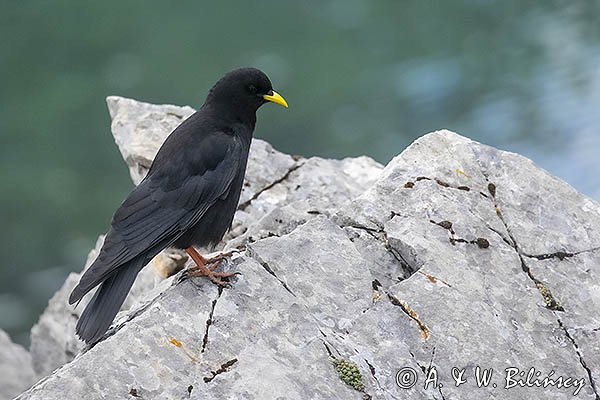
{"x": 244, "y": 90}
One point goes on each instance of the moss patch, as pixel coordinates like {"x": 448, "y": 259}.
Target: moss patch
{"x": 349, "y": 373}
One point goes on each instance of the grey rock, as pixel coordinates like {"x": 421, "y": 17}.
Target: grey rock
{"x": 170, "y": 359}
{"x": 53, "y": 339}
{"x": 312, "y": 187}
{"x": 15, "y": 367}
{"x": 492, "y": 305}
{"x": 456, "y": 255}
{"x": 140, "y": 129}
{"x": 273, "y": 182}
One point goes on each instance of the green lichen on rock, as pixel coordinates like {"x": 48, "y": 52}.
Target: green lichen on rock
{"x": 349, "y": 373}
{"x": 551, "y": 302}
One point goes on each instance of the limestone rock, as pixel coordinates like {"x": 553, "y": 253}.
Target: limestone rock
{"x": 275, "y": 183}
{"x": 506, "y": 259}
{"x": 141, "y": 128}
{"x": 456, "y": 255}
{"x": 312, "y": 187}
{"x": 53, "y": 339}
{"x": 15, "y": 365}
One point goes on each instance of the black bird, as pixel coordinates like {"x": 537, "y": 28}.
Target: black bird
{"x": 188, "y": 197}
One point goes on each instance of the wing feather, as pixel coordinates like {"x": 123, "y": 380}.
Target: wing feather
{"x": 169, "y": 201}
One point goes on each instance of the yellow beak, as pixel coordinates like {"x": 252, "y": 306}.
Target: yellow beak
{"x": 276, "y": 98}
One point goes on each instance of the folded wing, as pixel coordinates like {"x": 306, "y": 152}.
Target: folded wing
{"x": 175, "y": 194}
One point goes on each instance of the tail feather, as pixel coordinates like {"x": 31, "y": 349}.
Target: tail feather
{"x": 108, "y": 299}
{"x": 92, "y": 277}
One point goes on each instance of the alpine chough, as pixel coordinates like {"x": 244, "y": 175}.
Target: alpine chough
{"x": 188, "y": 197}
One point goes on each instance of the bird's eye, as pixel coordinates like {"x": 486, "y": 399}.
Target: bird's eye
{"x": 252, "y": 89}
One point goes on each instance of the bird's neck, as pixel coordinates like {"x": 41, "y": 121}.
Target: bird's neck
{"x": 229, "y": 115}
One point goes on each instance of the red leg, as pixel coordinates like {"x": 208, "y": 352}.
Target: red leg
{"x": 206, "y": 267}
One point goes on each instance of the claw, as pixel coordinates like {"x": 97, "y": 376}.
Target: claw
{"x": 207, "y": 268}
{"x": 212, "y": 275}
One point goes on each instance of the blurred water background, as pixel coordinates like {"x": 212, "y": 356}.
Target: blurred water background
{"x": 361, "y": 77}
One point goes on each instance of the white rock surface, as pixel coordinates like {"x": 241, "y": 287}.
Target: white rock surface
{"x": 499, "y": 306}
{"x": 15, "y": 367}
{"x": 53, "y": 339}
{"x": 456, "y": 255}
{"x": 141, "y": 128}
{"x": 274, "y": 182}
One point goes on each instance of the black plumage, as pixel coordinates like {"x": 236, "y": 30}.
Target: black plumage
{"x": 188, "y": 197}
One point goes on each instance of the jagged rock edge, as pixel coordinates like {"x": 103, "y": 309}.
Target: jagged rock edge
{"x": 527, "y": 270}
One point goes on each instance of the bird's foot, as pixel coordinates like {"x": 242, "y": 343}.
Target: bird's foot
{"x": 210, "y": 273}
{"x": 207, "y": 267}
